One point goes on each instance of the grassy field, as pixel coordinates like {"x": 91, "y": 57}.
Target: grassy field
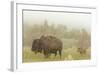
{"x": 67, "y": 54}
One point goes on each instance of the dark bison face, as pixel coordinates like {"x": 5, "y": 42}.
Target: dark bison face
{"x": 36, "y": 46}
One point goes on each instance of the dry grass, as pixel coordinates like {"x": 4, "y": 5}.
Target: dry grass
{"x": 67, "y": 54}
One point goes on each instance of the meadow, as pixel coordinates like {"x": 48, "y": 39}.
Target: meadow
{"x": 67, "y": 54}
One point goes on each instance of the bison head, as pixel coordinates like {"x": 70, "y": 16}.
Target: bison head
{"x": 36, "y": 46}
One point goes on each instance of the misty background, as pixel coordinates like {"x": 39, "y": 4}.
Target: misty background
{"x": 71, "y": 28}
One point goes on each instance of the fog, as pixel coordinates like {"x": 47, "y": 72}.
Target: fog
{"x": 71, "y": 20}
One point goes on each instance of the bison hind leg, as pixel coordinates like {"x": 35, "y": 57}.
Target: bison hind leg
{"x": 60, "y": 53}
{"x": 55, "y": 53}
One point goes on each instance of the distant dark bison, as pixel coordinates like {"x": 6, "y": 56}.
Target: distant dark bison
{"x": 51, "y": 44}
{"x": 47, "y": 45}
{"x": 81, "y": 51}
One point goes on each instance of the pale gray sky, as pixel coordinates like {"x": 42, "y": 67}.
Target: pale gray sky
{"x": 71, "y": 20}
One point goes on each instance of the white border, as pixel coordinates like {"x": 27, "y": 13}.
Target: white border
{"x": 17, "y": 38}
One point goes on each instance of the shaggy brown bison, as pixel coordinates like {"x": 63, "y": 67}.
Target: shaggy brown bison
{"x": 51, "y": 45}
{"x": 36, "y": 46}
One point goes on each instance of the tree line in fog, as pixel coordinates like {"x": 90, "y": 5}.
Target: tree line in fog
{"x": 31, "y": 32}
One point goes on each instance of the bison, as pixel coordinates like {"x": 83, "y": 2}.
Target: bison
{"x": 47, "y": 45}
{"x": 50, "y": 45}
{"x": 81, "y": 51}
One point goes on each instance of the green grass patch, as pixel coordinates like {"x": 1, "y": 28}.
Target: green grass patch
{"x": 67, "y": 54}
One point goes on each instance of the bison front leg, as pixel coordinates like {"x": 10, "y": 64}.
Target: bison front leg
{"x": 46, "y": 53}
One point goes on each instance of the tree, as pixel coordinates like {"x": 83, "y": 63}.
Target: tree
{"x": 84, "y": 41}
